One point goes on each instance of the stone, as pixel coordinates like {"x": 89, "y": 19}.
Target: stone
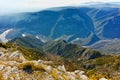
{"x": 62, "y": 68}
{"x": 15, "y": 54}
{"x": 48, "y": 69}
{"x": 81, "y": 72}
{"x": 84, "y": 77}
{"x": 14, "y": 69}
{"x": 40, "y": 61}
{"x": 11, "y": 78}
{"x": 1, "y": 53}
{"x": 47, "y": 62}
{"x": 2, "y": 67}
{"x": 77, "y": 71}
{"x": 8, "y": 68}
{"x": 49, "y": 78}
{"x": 103, "y": 79}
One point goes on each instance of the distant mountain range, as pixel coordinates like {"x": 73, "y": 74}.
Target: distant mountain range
{"x": 51, "y": 24}
{"x": 83, "y": 25}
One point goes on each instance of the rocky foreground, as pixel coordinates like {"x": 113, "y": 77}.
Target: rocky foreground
{"x": 13, "y": 66}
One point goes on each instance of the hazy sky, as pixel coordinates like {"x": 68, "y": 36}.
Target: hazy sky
{"x": 7, "y": 6}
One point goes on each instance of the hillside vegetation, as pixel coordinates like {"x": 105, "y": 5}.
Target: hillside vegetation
{"x": 95, "y": 64}
{"x": 14, "y": 66}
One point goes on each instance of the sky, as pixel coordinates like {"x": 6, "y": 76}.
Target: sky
{"x": 11, "y": 6}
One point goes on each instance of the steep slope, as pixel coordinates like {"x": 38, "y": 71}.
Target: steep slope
{"x": 107, "y": 66}
{"x": 106, "y": 19}
{"x": 27, "y": 41}
{"x": 52, "y": 24}
{"x": 70, "y": 51}
{"x": 111, "y": 46}
{"x": 56, "y": 47}
{"x": 29, "y": 45}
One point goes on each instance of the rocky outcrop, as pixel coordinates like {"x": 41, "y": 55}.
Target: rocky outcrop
{"x": 13, "y": 66}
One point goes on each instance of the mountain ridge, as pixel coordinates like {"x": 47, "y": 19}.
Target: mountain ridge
{"x": 78, "y": 21}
